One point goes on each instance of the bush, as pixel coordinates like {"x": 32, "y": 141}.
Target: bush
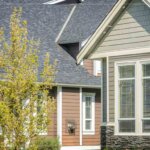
{"x": 45, "y": 143}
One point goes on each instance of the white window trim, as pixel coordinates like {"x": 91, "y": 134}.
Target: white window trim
{"x": 92, "y": 131}
{"x": 95, "y": 69}
{"x": 138, "y": 97}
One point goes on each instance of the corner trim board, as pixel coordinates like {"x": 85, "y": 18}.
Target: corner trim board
{"x": 80, "y": 116}
{"x": 59, "y": 113}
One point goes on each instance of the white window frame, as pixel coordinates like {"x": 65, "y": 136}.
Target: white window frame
{"x": 92, "y": 131}
{"x": 97, "y": 69}
{"x": 138, "y": 97}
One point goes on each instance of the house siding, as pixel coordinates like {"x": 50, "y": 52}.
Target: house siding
{"x": 112, "y": 61}
{"x": 70, "y": 112}
{"x": 130, "y": 31}
{"x": 88, "y": 65}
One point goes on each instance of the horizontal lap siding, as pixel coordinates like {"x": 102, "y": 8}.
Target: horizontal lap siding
{"x": 112, "y": 61}
{"x": 94, "y": 139}
{"x": 70, "y": 111}
{"x": 131, "y": 30}
{"x": 88, "y": 65}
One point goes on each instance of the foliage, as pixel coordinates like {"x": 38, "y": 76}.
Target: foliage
{"x": 20, "y": 91}
{"x": 46, "y": 143}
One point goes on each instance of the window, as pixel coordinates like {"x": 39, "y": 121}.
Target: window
{"x": 97, "y": 68}
{"x": 88, "y": 113}
{"x": 146, "y": 97}
{"x": 127, "y": 98}
{"x": 133, "y": 98}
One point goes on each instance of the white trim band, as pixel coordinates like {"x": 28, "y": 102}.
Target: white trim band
{"x": 59, "y": 113}
{"x": 81, "y": 147}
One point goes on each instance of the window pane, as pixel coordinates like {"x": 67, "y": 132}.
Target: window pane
{"x": 88, "y": 113}
{"x": 146, "y": 97}
{"x": 127, "y": 71}
{"x": 88, "y": 108}
{"x": 88, "y": 125}
{"x": 127, "y": 126}
{"x": 88, "y": 101}
{"x": 146, "y": 70}
{"x": 127, "y": 99}
{"x": 146, "y": 126}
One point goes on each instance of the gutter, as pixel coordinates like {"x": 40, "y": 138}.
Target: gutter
{"x": 75, "y": 85}
{"x": 78, "y": 85}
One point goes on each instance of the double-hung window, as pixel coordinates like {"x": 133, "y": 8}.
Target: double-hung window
{"x": 88, "y": 113}
{"x": 132, "y": 100}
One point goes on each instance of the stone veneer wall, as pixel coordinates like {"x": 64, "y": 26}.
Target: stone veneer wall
{"x": 112, "y": 142}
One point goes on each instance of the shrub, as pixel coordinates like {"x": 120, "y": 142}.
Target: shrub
{"x": 46, "y": 143}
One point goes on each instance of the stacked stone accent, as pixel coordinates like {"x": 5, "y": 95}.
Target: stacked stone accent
{"x": 111, "y": 142}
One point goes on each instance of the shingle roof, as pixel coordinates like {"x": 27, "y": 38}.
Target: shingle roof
{"x": 85, "y": 19}
{"x": 46, "y": 21}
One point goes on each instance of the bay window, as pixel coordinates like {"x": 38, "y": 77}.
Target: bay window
{"x": 88, "y": 113}
{"x": 132, "y": 98}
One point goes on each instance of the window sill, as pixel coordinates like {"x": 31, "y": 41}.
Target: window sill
{"x": 88, "y": 132}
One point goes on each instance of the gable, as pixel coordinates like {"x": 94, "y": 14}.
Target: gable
{"x": 130, "y": 31}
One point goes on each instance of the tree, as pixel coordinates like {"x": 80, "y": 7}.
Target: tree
{"x": 24, "y": 102}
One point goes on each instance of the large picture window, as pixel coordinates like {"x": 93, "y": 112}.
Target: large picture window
{"x": 133, "y": 98}
{"x": 88, "y": 113}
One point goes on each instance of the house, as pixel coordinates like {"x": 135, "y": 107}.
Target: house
{"x": 122, "y": 42}
{"x": 63, "y": 28}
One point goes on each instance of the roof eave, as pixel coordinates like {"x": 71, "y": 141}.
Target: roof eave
{"x": 147, "y": 2}
{"x": 101, "y": 30}
{"x": 79, "y": 85}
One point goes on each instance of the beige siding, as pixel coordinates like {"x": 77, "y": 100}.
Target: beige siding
{"x": 112, "y": 61}
{"x": 131, "y": 30}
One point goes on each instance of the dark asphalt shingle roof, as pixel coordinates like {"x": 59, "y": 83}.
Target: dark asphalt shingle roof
{"x": 85, "y": 19}
{"x": 45, "y": 23}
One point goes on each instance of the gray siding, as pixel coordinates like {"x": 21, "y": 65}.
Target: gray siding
{"x": 104, "y": 80}
{"x": 112, "y": 61}
{"x": 131, "y": 30}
